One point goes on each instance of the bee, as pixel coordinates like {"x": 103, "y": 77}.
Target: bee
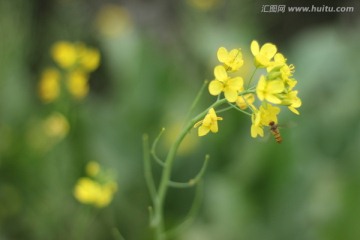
{"x": 275, "y": 131}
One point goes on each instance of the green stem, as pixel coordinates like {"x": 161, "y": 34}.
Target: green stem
{"x": 251, "y": 78}
{"x": 158, "y": 220}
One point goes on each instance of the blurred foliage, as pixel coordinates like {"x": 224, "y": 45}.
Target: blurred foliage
{"x": 154, "y": 57}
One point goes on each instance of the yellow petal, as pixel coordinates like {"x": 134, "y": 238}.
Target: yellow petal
{"x": 279, "y": 58}
{"x": 294, "y": 110}
{"x": 276, "y": 86}
{"x": 230, "y": 95}
{"x": 220, "y": 73}
{"x": 261, "y": 88}
{"x": 254, "y": 47}
{"x": 202, "y": 131}
{"x": 256, "y": 130}
{"x": 215, "y": 87}
{"x": 273, "y": 99}
{"x": 236, "y": 83}
{"x": 268, "y": 50}
{"x": 222, "y": 54}
{"x": 212, "y": 113}
{"x": 214, "y": 127}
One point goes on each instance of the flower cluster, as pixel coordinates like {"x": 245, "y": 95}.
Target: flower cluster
{"x": 95, "y": 189}
{"x": 274, "y": 87}
{"x": 76, "y": 62}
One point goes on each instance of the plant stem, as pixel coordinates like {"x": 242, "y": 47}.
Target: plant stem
{"x": 158, "y": 221}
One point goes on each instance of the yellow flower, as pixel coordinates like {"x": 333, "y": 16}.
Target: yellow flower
{"x": 264, "y": 54}
{"x": 268, "y": 90}
{"x": 75, "y": 55}
{"x": 222, "y": 83}
{"x": 262, "y": 117}
{"x": 244, "y": 101}
{"x": 90, "y": 59}
{"x": 268, "y": 114}
{"x": 78, "y": 84}
{"x": 232, "y": 60}
{"x": 209, "y": 123}
{"x": 92, "y": 168}
{"x": 292, "y": 101}
{"x": 113, "y": 20}
{"x": 88, "y": 191}
{"x": 56, "y": 126}
{"x": 49, "y": 85}
{"x": 65, "y": 54}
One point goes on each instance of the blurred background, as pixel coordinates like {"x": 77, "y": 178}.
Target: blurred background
{"x": 155, "y": 56}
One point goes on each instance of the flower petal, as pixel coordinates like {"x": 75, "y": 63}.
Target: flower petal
{"x": 220, "y": 73}
{"x": 202, "y": 131}
{"x": 273, "y": 99}
{"x": 254, "y": 47}
{"x": 222, "y": 55}
{"x": 215, "y": 87}
{"x": 276, "y": 86}
{"x": 268, "y": 50}
{"x": 294, "y": 110}
{"x": 230, "y": 95}
{"x": 236, "y": 83}
{"x": 214, "y": 127}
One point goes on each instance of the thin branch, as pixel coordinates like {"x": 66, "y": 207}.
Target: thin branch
{"x": 240, "y": 110}
{"x": 196, "y": 100}
{"x": 147, "y": 168}
{"x": 192, "y": 182}
{"x": 153, "y": 148}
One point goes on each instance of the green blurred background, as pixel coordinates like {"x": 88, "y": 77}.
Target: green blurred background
{"x": 155, "y": 56}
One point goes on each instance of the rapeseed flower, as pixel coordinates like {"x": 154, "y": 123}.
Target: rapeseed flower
{"x": 209, "y": 123}
{"x": 96, "y": 189}
{"x": 71, "y": 56}
{"x": 90, "y": 192}
{"x": 269, "y": 90}
{"x": 223, "y": 83}
{"x": 263, "y": 55}
{"x": 232, "y": 60}
{"x": 49, "y": 85}
{"x": 77, "y": 84}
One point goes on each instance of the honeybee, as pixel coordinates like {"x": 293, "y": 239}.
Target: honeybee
{"x": 275, "y": 131}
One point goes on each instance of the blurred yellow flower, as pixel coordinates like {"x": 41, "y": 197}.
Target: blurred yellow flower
{"x": 88, "y": 191}
{"x": 113, "y": 20}
{"x": 90, "y": 59}
{"x": 49, "y": 85}
{"x": 209, "y": 123}
{"x": 56, "y": 126}
{"x": 72, "y": 56}
{"x": 64, "y": 53}
{"x": 77, "y": 84}
{"x": 92, "y": 168}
